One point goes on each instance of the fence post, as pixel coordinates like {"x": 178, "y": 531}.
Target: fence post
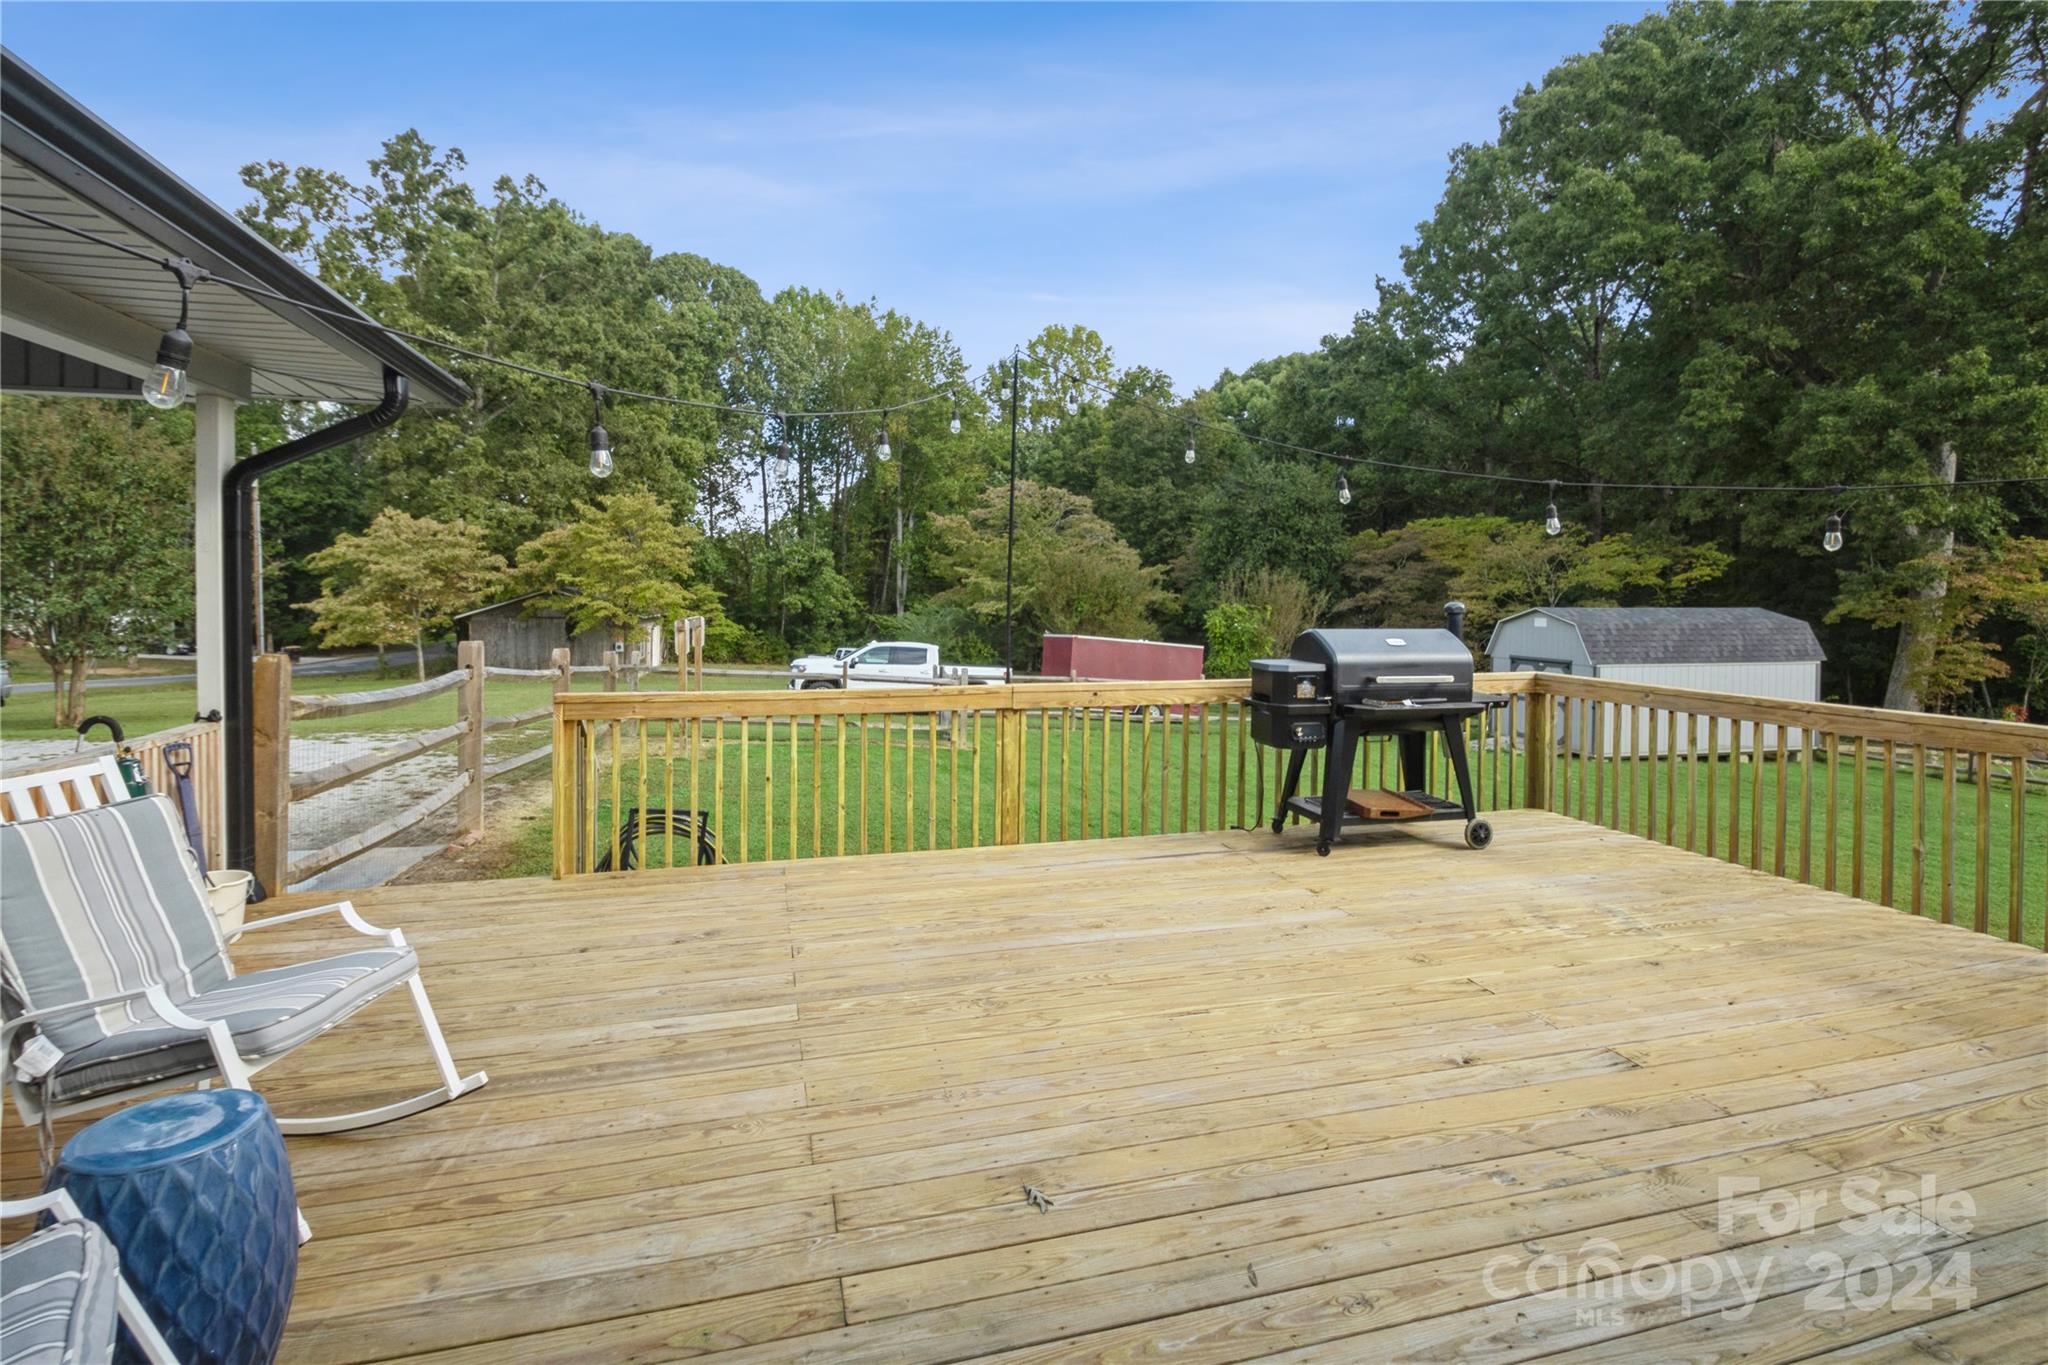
{"x": 1536, "y": 748}
{"x": 611, "y": 670}
{"x": 559, "y": 661}
{"x": 1009, "y": 775}
{"x": 272, "y": 735}
{"x": 469, "y": 704}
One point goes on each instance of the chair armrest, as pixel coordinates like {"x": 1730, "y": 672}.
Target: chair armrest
{"x": 346, "y": 909}
{"x": 159, "y": 1003}
{"x": 57, "y": 1201}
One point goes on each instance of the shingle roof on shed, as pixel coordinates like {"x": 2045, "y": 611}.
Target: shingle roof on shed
{"x": 1688, "y": 635}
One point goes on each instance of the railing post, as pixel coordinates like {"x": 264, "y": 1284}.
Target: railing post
{"x": 1009, "y": 775}
{"x": 272, "y": 748}
{"x": 469, "y": 751}
{"x": 1537, "y": 745}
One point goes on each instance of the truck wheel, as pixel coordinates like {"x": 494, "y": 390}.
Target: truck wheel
{"x": 815, "y": 686}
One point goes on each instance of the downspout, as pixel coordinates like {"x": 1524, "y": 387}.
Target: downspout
{"x": 238, "y": 606}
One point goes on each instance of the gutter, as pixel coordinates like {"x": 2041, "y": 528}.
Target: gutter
{"x": 238, "y": 607}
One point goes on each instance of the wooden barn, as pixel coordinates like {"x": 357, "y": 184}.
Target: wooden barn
{"x": 525, "y": 631}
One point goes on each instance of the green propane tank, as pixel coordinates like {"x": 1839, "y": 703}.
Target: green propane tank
{"x": 125, "y": 760}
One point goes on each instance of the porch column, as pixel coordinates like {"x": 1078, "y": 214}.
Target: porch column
{"x": 214, "y": 452}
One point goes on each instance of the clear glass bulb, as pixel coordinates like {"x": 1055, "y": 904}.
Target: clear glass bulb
{"x": 954, "y": 425}
{"x": 1831, "y": 539}
{"x": 600, "y": 453}
{"x": 1073, "y": 403}
{"x": 882, "y": 451}
{"x": 1552, "y": 526}
{"x": 1189, "y": 457}
{"x": 1343, "y": 491}
{"x": 165, "y": 387}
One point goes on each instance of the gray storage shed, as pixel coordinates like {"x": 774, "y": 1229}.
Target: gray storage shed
{"x": 524, "y": 632}
{"x": 1743, "y": 650}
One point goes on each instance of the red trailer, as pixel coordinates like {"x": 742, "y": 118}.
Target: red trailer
{"x": 1103, "y": 658}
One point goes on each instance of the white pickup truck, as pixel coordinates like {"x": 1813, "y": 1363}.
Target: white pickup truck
{"x": 885, "y": 663}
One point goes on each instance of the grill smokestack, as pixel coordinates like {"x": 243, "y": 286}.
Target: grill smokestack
{"x": 1454, "y": 618}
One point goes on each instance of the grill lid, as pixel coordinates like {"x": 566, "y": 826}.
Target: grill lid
{"x": 1389, "y": 664}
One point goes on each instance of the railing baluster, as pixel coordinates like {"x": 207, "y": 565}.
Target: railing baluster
{"x": 1713, "y": 781}
{"x": 953, "y": 785}
{"x": 1044, "y": 759}
{"x": 1778, "y": 814}
{"x": 1242, "y": 740}
{"x": 1066, "y": 744}
{"x": 697, "y": 823}
{"x": 1806, "y": 785}
{"x": 618, "y": 773}
{"x": 1104, "y": 816}
{"x": 1862, "y": 761}
{"x": 1919, "y": 803}
{"x": 975, "y": 837}
{"x": 1833, "y": 752}
{"x": 1885, "y": 803}
{"x": 1671, "y": 778}
{"x": 746, "y": 805}
{"x": 1756, "y": 795}
{"x": 1692, "y": 782}
{"x": 1734, "y": 766}
{"x": 2016, "y": 859}
{"x": 1123, "y": 773}
{"x": 1202, "y": 790}
{"x": 793, "y": 794}
{"x": 1087, "y": 767}
{"x": 718, "y": 781}
{"x": 1983, "y": 887}
{"x": 1185, "y": 727}
{"x": 888, "y": 788}
{"x": 817, "y": 784}
{"x": 1948, "y": 836}
{"x": 668, "y": 792}
{"x": 861, "y": 730}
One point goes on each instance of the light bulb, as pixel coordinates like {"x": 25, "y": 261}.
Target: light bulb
{"x": 1006, "y": 393}
{"x": 1552, "y": 526}
{"x": 882, "y": 445}
{"x": 165, "y": 387}
{"x": 1831, "y": 538}
{"x": 954, "y": 425}
{"x": 600, "y": 453}
{"x": 1343, "y": 491}
{"x": 1073, "y": 403}
{"x": 1189, "y": 457}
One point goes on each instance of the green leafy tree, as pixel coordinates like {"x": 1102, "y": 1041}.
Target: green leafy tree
{"x": 1235, "y": 633}
{"x": 1498, "y": 565}
{"x": 1073, "y": 573}
{"x": 399, "y": 580}
{"x": 95, "y": 551}
{"x": 623, "y": 560}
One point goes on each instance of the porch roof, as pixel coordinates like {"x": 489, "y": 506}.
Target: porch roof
{"x": 77, "y": 314}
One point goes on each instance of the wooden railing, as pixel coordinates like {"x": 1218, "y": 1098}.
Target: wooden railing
{"x": 805, "y": 774}
{"x": 203, "y": 736}
{"x": 1929, "y": 814}
{"x": 1924, "y": 813}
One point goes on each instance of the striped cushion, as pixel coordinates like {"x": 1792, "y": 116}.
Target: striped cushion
{"x": 57, "y": 1293}
{"x": 269, "y": 1012}
{"x": 101, "y": 901}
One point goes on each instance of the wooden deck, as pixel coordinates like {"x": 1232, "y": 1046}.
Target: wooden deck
{"x": 1353, "y": 1108}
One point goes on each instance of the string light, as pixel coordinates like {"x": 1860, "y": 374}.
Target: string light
{"x": 165, "y": 387}
{"x": 1073, "y": 403}
{"x": 600, "y": 439}
{"x": 1343, "y": 491}
{"x": 882, "y": 444}
{"x": 954, "y": 425}
{"x": 781, "y": 438}
{"x": 1189, "y": 457}
{"x": 1831, "y": 537}
{"x": 1552, "y": 525}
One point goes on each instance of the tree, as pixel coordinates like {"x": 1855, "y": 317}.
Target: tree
{"x": 1072, "y": 571}
{"x": 623, "y": 560}
{"x": 1954, "y": 655}
{"x": 95, "y": 545}
{"x": 1235, "y": 633}
{"x": 1498, "y": 565}
{"x": 401, "y": 578}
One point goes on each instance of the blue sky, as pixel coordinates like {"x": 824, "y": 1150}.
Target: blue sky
{"x": 1206, "y": 185}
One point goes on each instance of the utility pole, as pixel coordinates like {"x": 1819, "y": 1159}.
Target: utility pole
{"x": 1010, "y": 540}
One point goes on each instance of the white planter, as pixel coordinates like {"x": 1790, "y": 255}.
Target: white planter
{"x": 229, "y": 892}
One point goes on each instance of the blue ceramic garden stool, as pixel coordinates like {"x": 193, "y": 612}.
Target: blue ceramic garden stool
{"x": 195, "y": 1192}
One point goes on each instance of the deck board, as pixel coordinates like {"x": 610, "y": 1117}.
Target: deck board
{"x": 1284, "y": 1107}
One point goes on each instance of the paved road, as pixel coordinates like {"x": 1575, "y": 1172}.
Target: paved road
{"x": 339, "y": 663}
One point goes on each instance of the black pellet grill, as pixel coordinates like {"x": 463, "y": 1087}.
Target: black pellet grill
{"x": 1340, "y": 686}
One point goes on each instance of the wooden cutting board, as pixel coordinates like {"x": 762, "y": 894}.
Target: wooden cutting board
{"x": 1379, "y": 804}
